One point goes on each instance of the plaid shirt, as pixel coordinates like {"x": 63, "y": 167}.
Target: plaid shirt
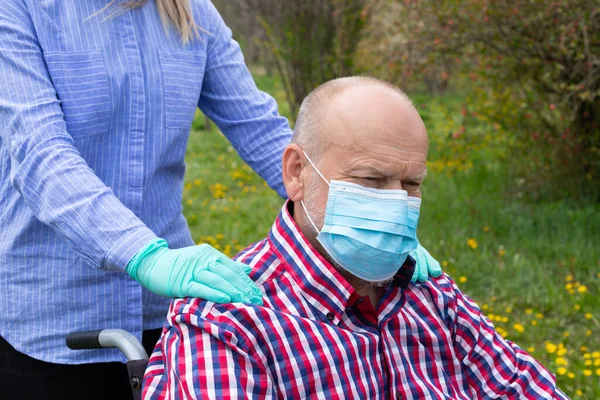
{"x": 316, "y": 337}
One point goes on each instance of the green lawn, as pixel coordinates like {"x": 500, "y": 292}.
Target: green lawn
{"x": 534, "y": 268}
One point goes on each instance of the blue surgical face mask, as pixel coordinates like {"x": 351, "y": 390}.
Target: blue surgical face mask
{"x": 368, "y": 232}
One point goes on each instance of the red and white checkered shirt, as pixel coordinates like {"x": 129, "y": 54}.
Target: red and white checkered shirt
{"x": 315, "y": 337}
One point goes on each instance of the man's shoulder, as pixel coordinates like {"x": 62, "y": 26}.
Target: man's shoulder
{"x": 441, "y": 292}
{"x": 261, "y": 257}
{"x": 442, "y": 284}
{"x": 206, "y": 315}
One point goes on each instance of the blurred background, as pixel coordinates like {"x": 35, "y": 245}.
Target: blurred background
{"x": 510, "y": 93}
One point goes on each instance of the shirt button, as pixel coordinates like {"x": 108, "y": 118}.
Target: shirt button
{"x": 330, "y": 316}
{"x": 399, "y": 395}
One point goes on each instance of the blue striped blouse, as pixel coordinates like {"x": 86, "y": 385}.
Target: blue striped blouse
{"x": 95, "y": 115}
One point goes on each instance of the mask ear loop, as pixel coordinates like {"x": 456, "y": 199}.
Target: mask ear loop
{"x": 302, "y": 201}
{"x": 309, "y": 218}
{"x": 315, "y": 167}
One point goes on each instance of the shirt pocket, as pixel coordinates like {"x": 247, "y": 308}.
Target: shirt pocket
{"x": 82, "y": 87}
{"x": 182, "y": 75}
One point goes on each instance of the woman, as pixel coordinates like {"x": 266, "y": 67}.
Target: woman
{"x": 96, "y": 109}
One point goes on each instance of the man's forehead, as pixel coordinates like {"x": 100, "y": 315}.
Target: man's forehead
{"x": 383, "y": 117}
{"x": 377, "y": 160}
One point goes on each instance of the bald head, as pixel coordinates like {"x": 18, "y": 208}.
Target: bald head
{"x": 358, "y": 130}
{"x": 335, "y": 98}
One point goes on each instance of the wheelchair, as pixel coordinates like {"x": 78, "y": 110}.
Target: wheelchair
{"x": 137, "y": 358}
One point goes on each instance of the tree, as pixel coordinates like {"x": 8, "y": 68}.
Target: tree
{"x": 537, "y": 66}
{"x": 312, "y": 41}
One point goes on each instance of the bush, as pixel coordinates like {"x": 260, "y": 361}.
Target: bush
{"x": 312, "y": 41}
{"x": 540, "y": 65}
{"x": 530, "y": 66}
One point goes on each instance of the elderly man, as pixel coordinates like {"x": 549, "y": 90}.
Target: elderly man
{"x": 341, "y": 318}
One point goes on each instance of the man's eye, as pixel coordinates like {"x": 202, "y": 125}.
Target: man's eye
{"x": 371, "y": 178}
{"x": 412, "y": 183}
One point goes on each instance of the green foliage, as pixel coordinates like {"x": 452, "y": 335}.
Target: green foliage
{"x": 539, "y": 65}
{"x": 312, "y": 41}
{"x": 530, "y": 66}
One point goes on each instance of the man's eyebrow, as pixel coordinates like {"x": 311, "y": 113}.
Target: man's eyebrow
{"x": 370, "y": 168}
{"x": 373, "y": 169}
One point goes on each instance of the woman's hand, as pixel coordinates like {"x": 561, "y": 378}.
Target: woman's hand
{"x": 194, "y": 271}
{"x": 426, "y": 265}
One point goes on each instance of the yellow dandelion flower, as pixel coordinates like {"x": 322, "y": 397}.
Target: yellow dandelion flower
{"x": 486, "y": 228}
{"x": 597, "y": 362}
{"x": 587, "y": 363}
{"x": 588, "y": 332}
{"x": 583, "y": 348}
{"x": 530, "y": 349}
{"x": 587, "y": 372}
{"x": 578, "y": 392}
{"x": 484, "y": 307}
{"x": 561, "y": 351}
{"x": 472, "y": 243}
{"x": 509, "y": 309}
{"x": 561, "y": 370}
{"x": 596, "y": 354}
{"x": 539, "y": 315}
{"x": 534, "y": 322}
{"x": 501, "y": 252}
{"x": 588, "y": 315}
{"x": 598, "y": 372}
{"x": 504, "y": 319}
{"x": 569, "y": 286}
{"x": 587, "y": 356}
{"x": 582, "y": 289}
{"x": 598, "y": 275}
{"x": 197, "y": 182}
{"x": 569, "y": 278}
{"x": 462, "y": 279}
{"x": 551, "y": 347}
{"x": 566, "y": 334}
{"x": 577, "y": 307}
{"x": 529, "y": 311}
{"x": 444, "y": 263}
{"x": 571, "y": 375}
{"x": 519, "y": 328}
{"x": 561, "y": 361}
{"x": 502, "y": 332}
{"x": 190, "y": 201}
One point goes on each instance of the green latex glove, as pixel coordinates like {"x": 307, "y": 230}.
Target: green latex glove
{"x": 426, "y": 265}
{"x": 194, "y": 271}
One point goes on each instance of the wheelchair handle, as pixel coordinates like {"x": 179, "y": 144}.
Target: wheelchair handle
{"x": 108, "y": 338}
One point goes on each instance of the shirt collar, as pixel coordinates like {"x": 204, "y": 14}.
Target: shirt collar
{"x": 319, "y": 282}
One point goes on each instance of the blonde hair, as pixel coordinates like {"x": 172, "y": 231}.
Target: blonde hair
{"x": 177, "y": 13}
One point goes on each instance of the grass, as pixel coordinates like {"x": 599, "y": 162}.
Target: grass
{"x": 534, "y": 268}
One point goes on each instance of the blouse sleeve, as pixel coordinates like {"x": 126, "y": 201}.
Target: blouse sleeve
{"x": 248, "y": 117}
{"x": 46, "y": 169}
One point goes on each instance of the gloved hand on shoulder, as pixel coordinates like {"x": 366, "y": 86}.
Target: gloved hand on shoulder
{"x": 194, "y": 271}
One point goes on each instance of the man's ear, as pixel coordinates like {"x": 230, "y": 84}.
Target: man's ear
{"x": 292, "y": 165}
